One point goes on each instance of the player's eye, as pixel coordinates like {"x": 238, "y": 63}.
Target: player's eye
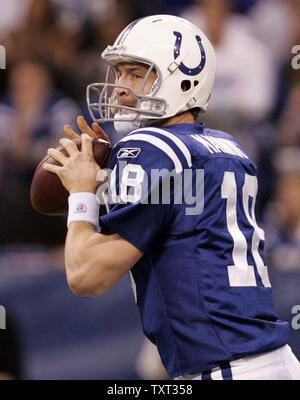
{"x": 137, "y": 75}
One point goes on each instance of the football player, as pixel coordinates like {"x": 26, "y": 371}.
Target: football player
{"x": 181, "y": 201}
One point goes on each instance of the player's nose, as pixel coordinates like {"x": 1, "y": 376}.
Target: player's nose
{"x": 123, "y": 89}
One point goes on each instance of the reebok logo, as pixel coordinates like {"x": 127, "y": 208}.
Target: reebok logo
{"x": 80, "y": 209}
{"x": 129, "y": 152}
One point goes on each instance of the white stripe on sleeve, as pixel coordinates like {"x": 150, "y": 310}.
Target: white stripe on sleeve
{"x": 180, "y": 144}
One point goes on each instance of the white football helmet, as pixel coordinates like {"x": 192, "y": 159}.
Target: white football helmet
{"x": 182, "y": 57}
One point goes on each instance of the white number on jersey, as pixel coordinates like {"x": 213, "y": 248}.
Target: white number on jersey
{"x": 134, "y": 194}
{"x": 242, "y": 274}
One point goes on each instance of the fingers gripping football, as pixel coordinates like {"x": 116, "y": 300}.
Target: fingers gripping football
{"x": 96, "y": 131}
{"x": 47, "y": 193}
{"x": 78, "y": 171}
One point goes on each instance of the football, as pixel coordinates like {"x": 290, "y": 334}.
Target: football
{"x": 47, "y": 194}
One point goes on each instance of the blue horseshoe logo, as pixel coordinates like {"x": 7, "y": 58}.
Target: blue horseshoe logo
{"x": 183, "y": 68}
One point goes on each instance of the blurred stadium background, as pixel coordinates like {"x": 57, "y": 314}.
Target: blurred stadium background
{"x": 53, "y": 51}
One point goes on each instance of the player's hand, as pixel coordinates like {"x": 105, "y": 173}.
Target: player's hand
{"x": 96, "y": 131}
{"x": 79, "y": 171}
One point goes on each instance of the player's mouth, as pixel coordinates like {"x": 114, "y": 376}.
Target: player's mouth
{"x": 126, "y": 111}
{"x": 123, "y": 111}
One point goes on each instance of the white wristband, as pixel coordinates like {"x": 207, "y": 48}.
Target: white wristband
{"x": 83, "y": 206}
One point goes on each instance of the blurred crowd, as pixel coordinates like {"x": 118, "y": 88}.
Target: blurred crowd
{"x": 53, "y": 52}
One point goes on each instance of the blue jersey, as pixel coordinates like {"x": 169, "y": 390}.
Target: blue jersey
{"x": 185, "y": 196}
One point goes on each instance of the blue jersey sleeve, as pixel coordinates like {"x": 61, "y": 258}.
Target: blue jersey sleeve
{"x": 139, "y": 207}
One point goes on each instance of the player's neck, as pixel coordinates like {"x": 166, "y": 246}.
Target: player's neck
{"x": 183, "y": 118}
